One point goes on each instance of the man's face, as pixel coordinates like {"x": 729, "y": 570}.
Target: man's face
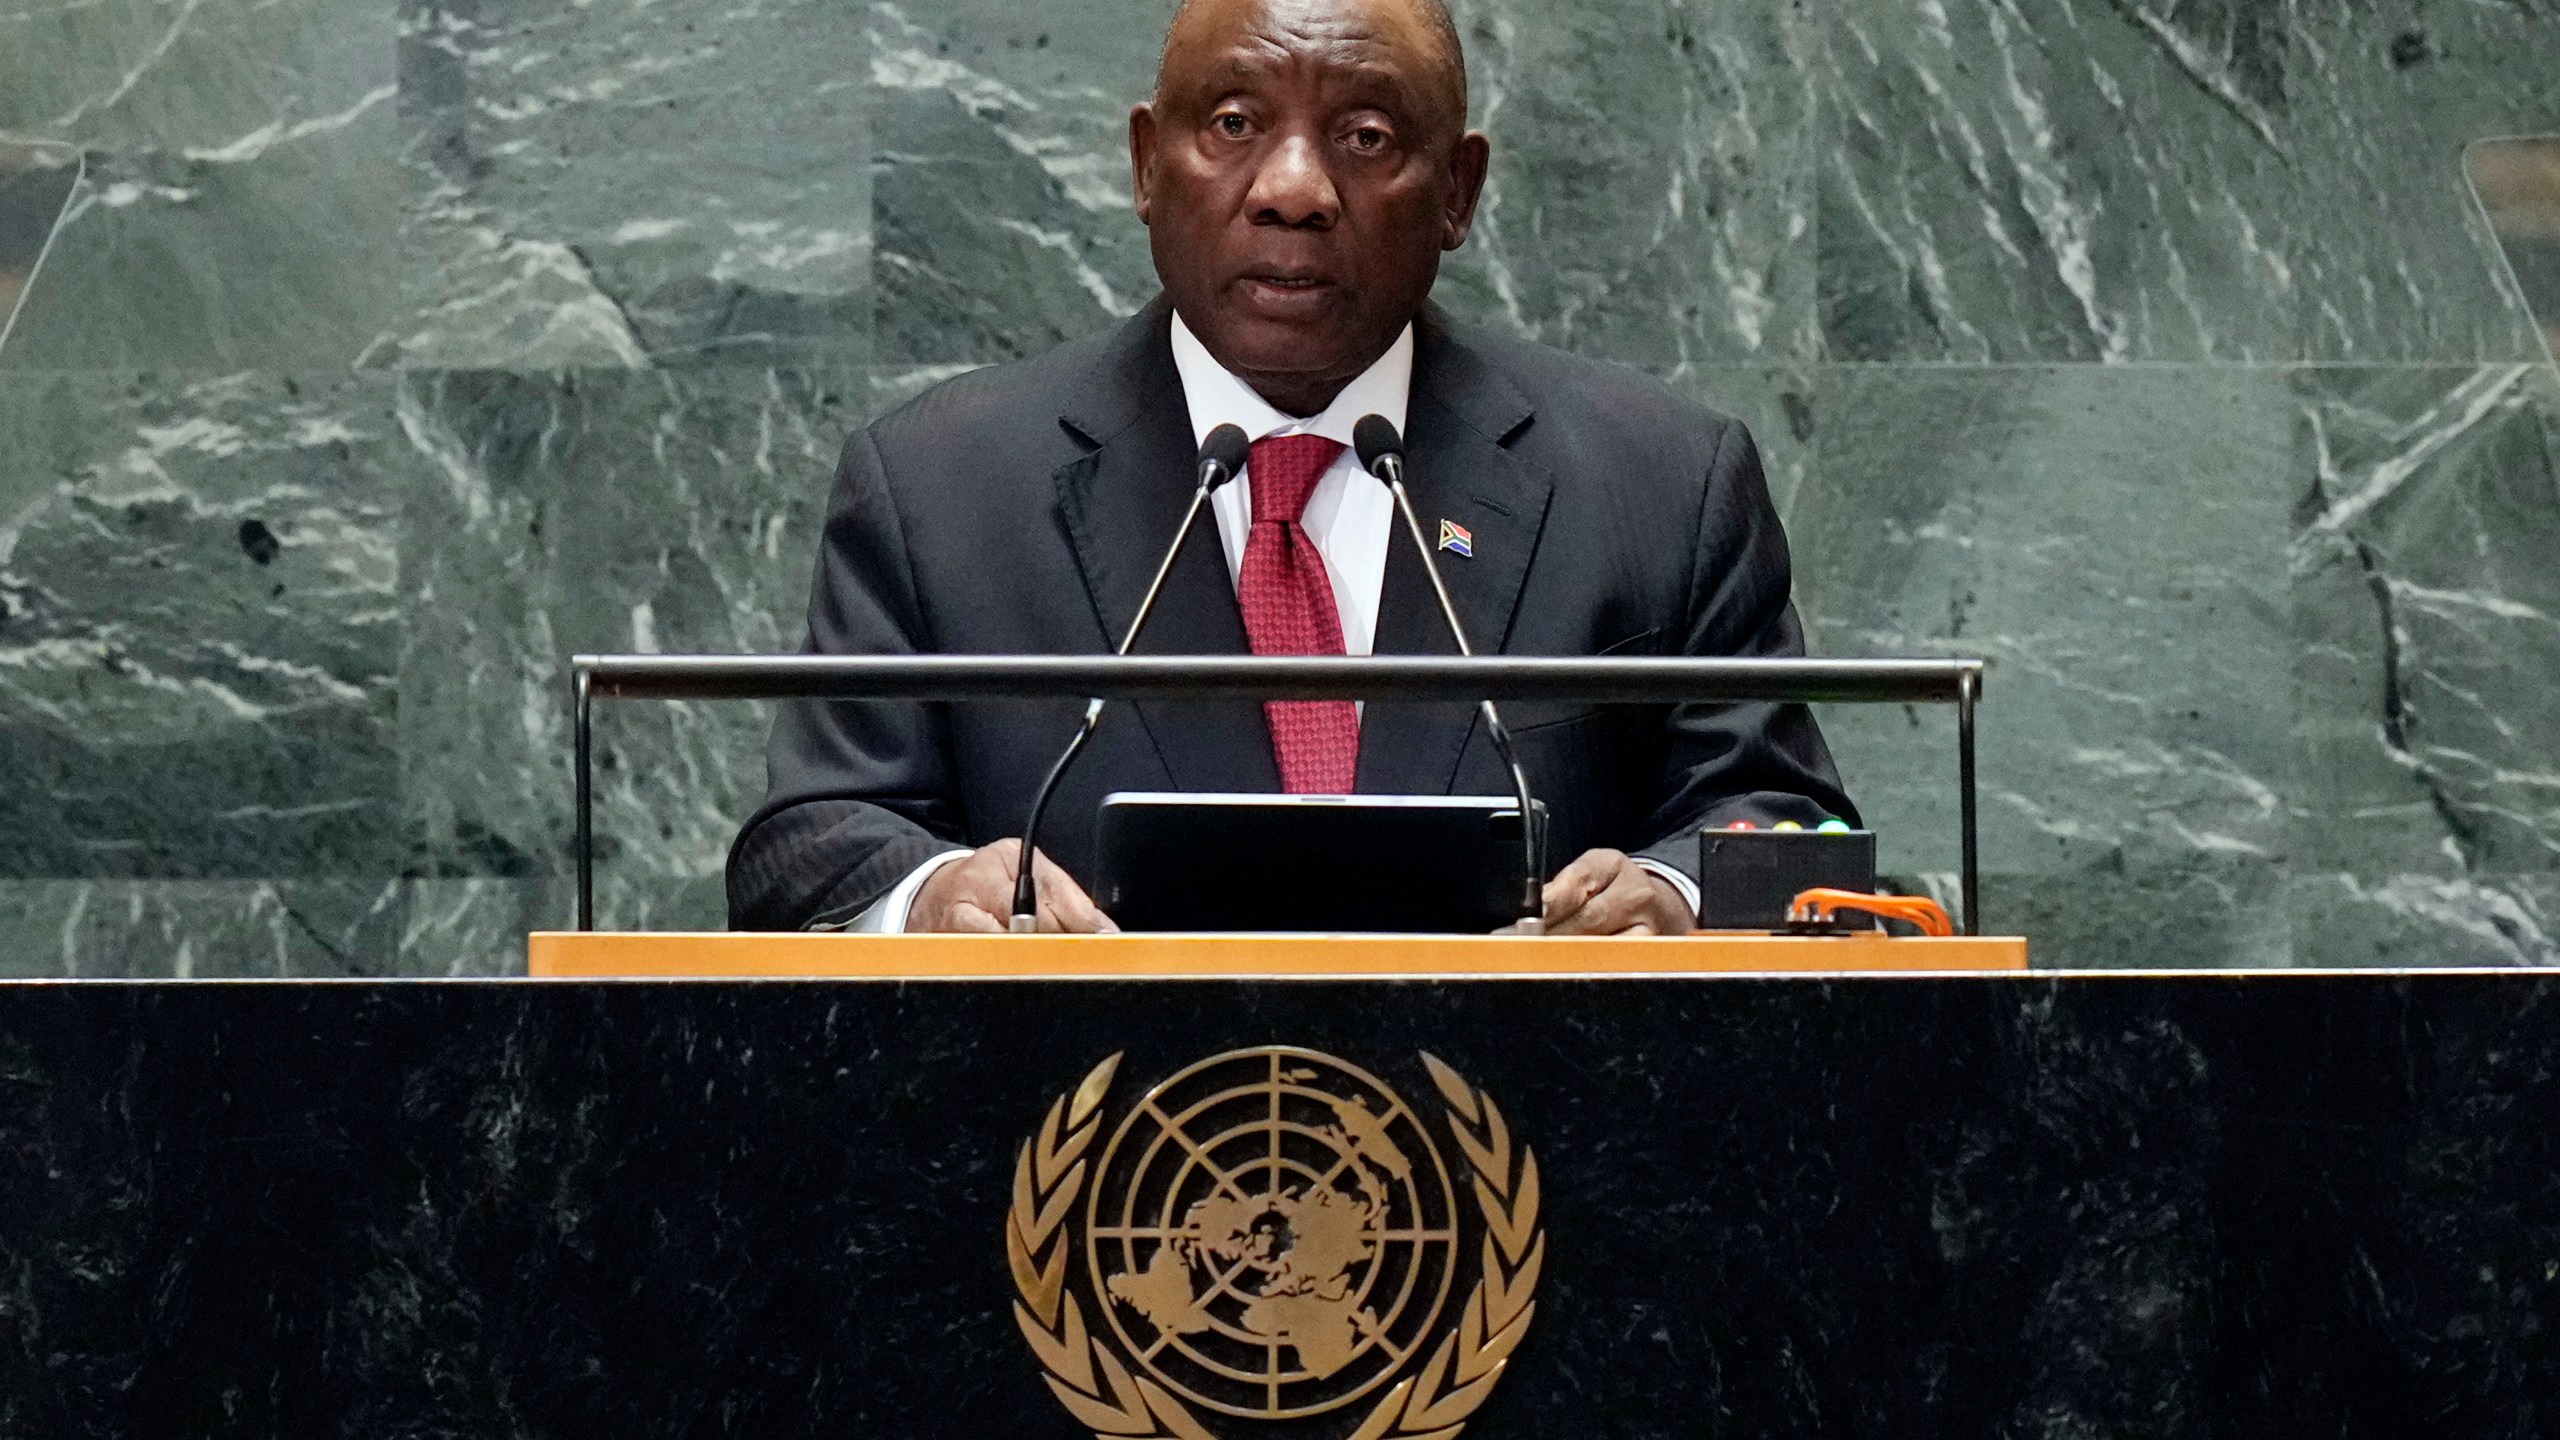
{"x": 1303, "y": 166}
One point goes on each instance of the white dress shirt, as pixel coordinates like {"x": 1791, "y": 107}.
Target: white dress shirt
{"x": 1349, "y": 515}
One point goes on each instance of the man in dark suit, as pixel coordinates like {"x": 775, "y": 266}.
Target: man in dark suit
{"x": 1301, "y": 168}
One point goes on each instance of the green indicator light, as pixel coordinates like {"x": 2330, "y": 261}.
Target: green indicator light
{"x": 1833, "y": 827}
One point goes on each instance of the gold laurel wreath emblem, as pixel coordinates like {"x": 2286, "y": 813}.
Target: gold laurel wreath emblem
{"x": 1434, "y": 1404}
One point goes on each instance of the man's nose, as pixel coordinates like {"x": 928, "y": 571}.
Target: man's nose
{"x": 1293, "y": 187}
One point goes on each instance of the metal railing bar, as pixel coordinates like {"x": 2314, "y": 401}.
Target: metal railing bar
{"x": 1150, "y": 677}
{"x": 1451, "y": 678}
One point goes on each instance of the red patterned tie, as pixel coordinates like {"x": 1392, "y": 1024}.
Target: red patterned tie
{"x": 1288, "y": 610}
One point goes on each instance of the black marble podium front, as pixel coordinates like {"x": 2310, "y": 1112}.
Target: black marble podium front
{"x": 2097, "y": 1206}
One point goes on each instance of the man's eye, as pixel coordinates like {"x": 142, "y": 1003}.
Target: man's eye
{"x": 1369, "y": 137}
{"x": 1230, "y": 124}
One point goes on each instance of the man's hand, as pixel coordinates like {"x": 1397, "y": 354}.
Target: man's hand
{"x": 1606, "y": 893}
{"x": 976, "y": 895}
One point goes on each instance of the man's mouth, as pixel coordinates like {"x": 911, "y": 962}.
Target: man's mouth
{"x": 1285, "y": 295}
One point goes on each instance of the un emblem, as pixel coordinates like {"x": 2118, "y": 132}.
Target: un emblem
{"x": 1273, "y": 1235}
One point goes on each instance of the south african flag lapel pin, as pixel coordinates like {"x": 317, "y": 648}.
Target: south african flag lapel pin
{"x": 1457, "y": 538}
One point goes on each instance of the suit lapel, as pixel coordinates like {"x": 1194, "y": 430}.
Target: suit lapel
{"x": 1120, "y": 505}
{"x": 1457, "y": 469}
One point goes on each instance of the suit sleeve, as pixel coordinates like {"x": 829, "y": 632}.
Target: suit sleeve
{"x": 1758, "y": 762}
{"x": 859, "y": 792}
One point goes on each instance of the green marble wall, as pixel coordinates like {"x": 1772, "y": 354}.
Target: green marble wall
{"x": 398, "y": 348}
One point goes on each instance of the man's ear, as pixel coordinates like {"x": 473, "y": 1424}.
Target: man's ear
{"x": 1469, "y": 159}
{"x": 1142, "y": 156}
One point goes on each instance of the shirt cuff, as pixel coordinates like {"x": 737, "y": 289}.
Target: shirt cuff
{"x": 1680, "y": 881}
{"x": 888, "y": 914}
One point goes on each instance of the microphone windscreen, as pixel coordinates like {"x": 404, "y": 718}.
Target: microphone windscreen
{"x": 1375, "y": 438}
{"x": 1225, "y": 448}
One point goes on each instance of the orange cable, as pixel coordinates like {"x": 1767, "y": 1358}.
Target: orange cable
{"x": 1817, "y": 906}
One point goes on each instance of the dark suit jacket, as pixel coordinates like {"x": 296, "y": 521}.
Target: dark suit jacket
{"x": 1022, "y": 509}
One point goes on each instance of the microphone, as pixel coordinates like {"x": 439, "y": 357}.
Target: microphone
{"x": 1222, "y": 458}
{"x": 1381, "y": 452}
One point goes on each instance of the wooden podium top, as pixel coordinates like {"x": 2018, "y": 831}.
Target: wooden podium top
{"x": 572, "y": 955}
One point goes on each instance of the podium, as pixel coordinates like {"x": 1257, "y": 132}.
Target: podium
{"x": 1296, "y": 1187}
{"x": 883, "y": 1199}
{"x": 1283, "y": 1185}
{"x": 1259, "y": 1185}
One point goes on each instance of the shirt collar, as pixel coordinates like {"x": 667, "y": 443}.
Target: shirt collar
{"x": 1217, "y": 397}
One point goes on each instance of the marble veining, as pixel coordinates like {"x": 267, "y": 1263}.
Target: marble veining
{"x": 1652, "y": 189}
{"x": 610, "y": 511}
{"x": 205, "y": 929}
{"x": 2172, "y": 179}
{"x": 397, "y": 349}
{"x": 1002, "y": 175}
{"x": 243, "y": 193}
{"x": 2115, "y": 579}
{"x": 535, "y": 131}
{"x": 2421, "y": 569}
{"x": 199, "y": 620}
{"x": 2283, "y": 1206}
{"x": 2079, "y": 187}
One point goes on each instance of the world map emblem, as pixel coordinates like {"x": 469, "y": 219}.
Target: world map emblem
{"x": 1271, "y": 1239}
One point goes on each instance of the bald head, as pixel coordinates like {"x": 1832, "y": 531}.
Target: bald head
{"x": 1428, "y": 19}
{"x": 1300, "y": 170}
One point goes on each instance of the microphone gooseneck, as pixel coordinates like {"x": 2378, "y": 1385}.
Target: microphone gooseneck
{"x": 1222, "y": 458}
{"x": 1381, "y": 452}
